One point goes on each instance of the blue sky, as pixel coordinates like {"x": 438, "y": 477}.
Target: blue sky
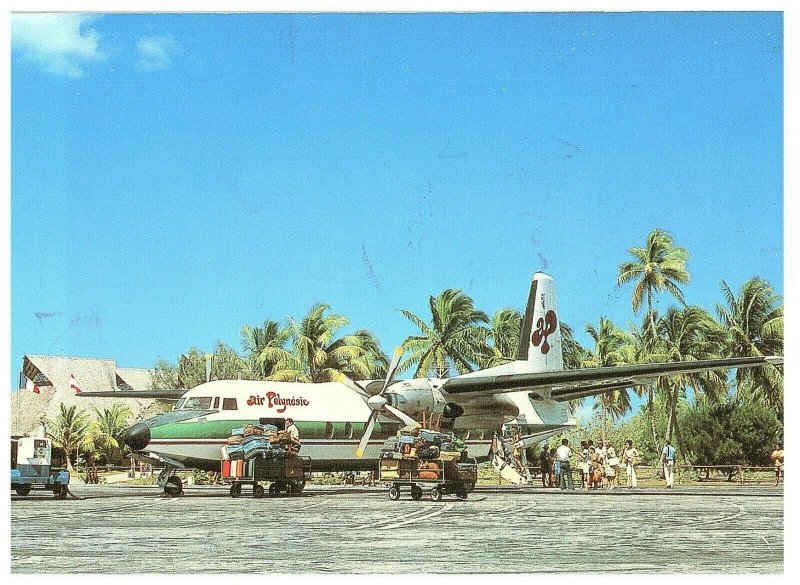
{"x": 175, "y": 177}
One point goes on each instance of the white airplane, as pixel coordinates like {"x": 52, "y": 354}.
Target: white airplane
{"x": 343, "y": 425}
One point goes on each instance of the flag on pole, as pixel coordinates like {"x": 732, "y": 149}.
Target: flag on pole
{"x": 73, "y": 384}
{"x": 29, "y": 385}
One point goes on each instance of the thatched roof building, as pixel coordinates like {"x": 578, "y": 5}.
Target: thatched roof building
{"x": 52, "y": 375}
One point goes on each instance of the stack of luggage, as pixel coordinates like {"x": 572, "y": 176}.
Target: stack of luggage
{"x": 254, "y": 441}
{"x": 420, "y": 450}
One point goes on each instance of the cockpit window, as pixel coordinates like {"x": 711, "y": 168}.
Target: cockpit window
{"x": 179, "y": 403}
{"x": 229, "y": 404}
{"x": 197, "y": 403}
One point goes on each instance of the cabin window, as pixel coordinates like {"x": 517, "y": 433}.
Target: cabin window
{"x": 216, "y": 403}
{"x": 229, "y": 404}
{"x": 179, "y": 404}
{"x": 466, "y": 435}
{"x": 197, "y": 403}
{"x": 348, "y": 430}
{"x": 328, "y": 430}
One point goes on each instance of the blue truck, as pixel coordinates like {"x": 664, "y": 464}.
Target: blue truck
{"x": 37, "y": 464}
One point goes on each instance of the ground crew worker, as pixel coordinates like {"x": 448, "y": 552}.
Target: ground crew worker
{"x": 294, "y": 434}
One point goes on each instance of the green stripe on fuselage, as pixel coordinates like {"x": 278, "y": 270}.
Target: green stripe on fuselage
{"x": 221, "y": 429}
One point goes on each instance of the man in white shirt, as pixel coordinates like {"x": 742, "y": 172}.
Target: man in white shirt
{"x": 563, "y": 454}
{"x": 294, "y": 434}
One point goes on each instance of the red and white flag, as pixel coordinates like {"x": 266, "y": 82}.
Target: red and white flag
{"x": 73, "y": 384}
{"x": 29, "y": 385}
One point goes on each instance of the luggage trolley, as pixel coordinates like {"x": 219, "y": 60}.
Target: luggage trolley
{"x": 437, "y": 476}
{"x": 286, "y": 474}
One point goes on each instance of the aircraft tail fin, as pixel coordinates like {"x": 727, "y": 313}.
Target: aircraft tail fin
{"x": 540, "y": 335}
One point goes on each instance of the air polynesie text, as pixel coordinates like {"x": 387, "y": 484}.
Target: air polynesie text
{"x": 275, "y": 401}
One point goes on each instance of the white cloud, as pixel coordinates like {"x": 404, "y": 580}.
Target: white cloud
{"x": 58, "y": 43}
{"x": 155, "y": 53}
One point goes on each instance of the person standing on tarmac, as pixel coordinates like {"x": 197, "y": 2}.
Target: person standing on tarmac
{"x": 563, "y": 454}
{"x": 668, "y": 461}
{"x": 631, "y": 458}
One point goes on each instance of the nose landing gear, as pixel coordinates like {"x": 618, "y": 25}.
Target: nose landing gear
{"x": 172, "y": 484}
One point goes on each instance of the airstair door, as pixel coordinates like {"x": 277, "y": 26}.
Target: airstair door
{"x": 507, "y": 466}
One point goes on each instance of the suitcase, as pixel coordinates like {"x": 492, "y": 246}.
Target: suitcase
{"x": 226, "y": 468}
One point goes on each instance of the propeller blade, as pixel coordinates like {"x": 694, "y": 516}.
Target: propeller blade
{"x": 398, "y": 353}
{"x": 373, "y": 416}
{"x": 402, "y": 416}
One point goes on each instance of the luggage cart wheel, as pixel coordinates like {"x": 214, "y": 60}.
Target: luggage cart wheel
{"x": 394, "y": 493}
{"x": 236, "y": 490}
{"x": 258, "y": 491}
{"x": 416, "y": 492}
{"x": 436, "y": 494}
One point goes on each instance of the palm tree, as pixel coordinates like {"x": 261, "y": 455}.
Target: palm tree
{"x": 453, "y": 339}
{"x": 612, "y": 347}
{"x": 256, "y": 341}
{"x": 754, "y": 320}
{"x": 574, "y": 354}
{"x": 69, "y": 429}
{"x": 317, "y": 355}
{"x": 657, "y": 267}
{"x": 686, "y": 335}
{"x": 504, "y": 330}
{"x": 106, "y": 431}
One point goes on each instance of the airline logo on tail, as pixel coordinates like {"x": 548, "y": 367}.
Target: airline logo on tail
{"x": 540, "y": 339}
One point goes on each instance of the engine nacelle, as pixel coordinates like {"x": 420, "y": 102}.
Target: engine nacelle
{"x": 418, "y": 396}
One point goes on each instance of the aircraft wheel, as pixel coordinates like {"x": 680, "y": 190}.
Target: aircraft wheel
{"x": 258, "y": 491}
{"x": 236, "y": 490}
{"x": 23, "y": 490}
{"x": 436, "y": 494}
{"x": 273, "y": 489}
{"x": 394, "y": 493}
{"x": 174, "y": 486}
{"x": 416, "y": 492}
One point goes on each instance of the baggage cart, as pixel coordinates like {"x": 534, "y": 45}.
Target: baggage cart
{"x": 287, "y": 474}
{"x": 437, "y": 477}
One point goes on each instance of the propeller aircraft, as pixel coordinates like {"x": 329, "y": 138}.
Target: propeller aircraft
{"x": 343, "y": 424}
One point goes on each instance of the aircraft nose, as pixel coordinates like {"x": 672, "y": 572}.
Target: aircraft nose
{"x": 137, "y": 437}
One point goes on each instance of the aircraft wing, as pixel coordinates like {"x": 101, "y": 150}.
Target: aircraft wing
{"x": 566, "y": 385}
{"x": 170, "y": 394}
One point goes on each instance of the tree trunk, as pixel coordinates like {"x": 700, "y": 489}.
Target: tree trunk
{"x": 652, "y": 416}
{"x": 671, "y": 406}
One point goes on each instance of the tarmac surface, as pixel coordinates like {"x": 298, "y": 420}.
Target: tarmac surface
{"x": 115, "y": 529}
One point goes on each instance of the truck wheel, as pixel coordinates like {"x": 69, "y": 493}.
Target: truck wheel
{"x": 23, "y": 490}
{"x": 258, "y": 491}
{"x": 236, "y": 490}
{"x": 394, "y": 493}
{"x": 436, "y": 494}
{"x": 416, "y": 492}
{"x": 462, "y": 493}
{"x": 60, "y": 493}
{"x": 273, "y": 489}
